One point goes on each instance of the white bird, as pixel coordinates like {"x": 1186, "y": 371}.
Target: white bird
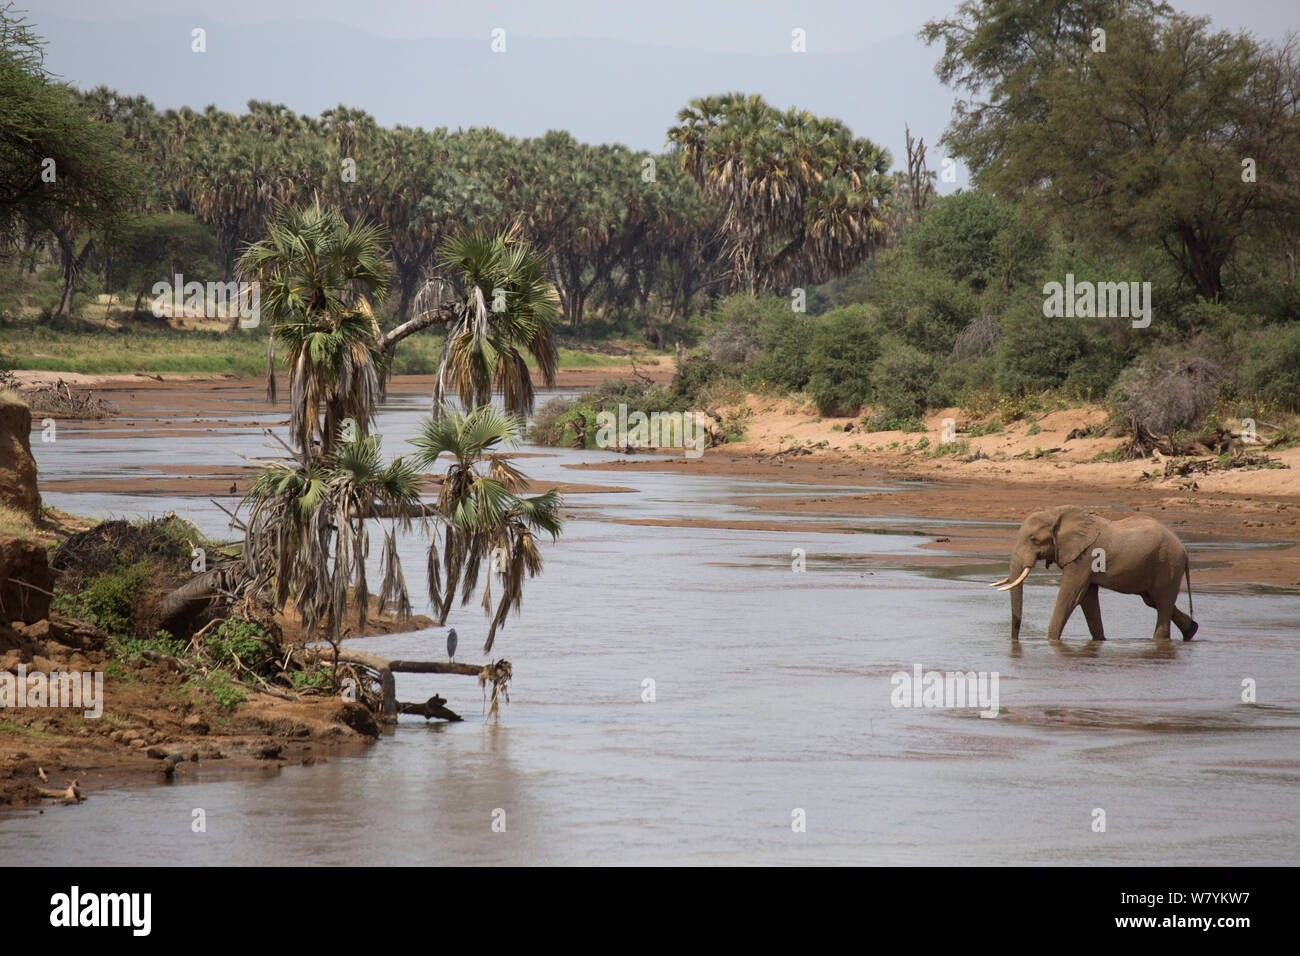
{"x": 451, "y": 644}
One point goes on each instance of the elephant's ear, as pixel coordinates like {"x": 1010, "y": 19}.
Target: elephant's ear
{"x": 1075, "y": 531}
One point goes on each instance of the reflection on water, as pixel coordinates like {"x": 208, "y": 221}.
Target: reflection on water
{"x": 772, "y": 692}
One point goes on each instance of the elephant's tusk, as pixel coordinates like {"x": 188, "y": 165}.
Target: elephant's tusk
{"x": 1007, "y": 587}
{"x": 1003, "y": 581}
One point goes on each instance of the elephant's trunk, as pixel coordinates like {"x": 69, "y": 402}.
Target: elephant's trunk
{"x": 1017, "y": 596}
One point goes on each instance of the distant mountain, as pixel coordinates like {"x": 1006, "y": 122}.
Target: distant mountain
{"x": 599, "y": 90}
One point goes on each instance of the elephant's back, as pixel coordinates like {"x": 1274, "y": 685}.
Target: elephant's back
{"x": 1142, "y": 528}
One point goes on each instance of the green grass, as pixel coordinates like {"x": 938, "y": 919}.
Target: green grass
{"x": 7, "y": 727}
{"x": 949, "y": 448}
{"x": 1115, "y": 454}
{"x": 224, "y": 690}
{"x": 101, "y": 351}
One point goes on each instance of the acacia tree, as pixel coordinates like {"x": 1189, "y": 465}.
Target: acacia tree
{"x": 61, "y": 171}
{"x": 1143, "y": 142}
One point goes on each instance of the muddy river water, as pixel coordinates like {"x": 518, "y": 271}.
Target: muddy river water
{"x": 771, "y": 708}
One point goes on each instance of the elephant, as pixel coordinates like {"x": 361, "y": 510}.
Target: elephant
{"x": 1136, "y": 555}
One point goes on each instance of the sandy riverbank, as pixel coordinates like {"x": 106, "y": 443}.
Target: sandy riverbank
{"x": 970, "y": 500}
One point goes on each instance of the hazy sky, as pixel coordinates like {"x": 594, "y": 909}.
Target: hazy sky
{"x": 606, "y": 70}
{"x": 740, "y": 26}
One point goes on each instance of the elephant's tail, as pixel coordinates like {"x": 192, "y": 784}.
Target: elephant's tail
{"x": 1187, "y": 571}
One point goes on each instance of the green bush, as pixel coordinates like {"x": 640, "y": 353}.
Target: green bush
{"x": 974, "y": 238}
{"x": 693, "y": 376}
{"x": 105, "y": 600}
{"x": 225, "y": 690}
{"x": 785, "y": 360}
{"x": 901, "y": 380}
{"x": 844, "y": 346}
{"x": 1036, "y": 352}
{"x": 237, "y": 641}
{"x": 924, "y": 306}
{"x": 1271, "y": 371}
{"x": 1109, "y": 346}
{"x": 739, "y": 311}
{"x": 550, "y": 425}
{"x": 562, "y": 421}
{"x": 957, "y": 380}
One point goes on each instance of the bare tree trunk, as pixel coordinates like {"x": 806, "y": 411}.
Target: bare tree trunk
{"x": 73, "y": 263}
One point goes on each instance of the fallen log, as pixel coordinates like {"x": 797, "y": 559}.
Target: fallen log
{"x": 433, "y": 707}
{"x": 72, "y": 795}
{"x": 498, "y": 673}
{"x": 436, "y": 667}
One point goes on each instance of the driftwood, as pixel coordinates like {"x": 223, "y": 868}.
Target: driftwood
{"x": 437, "y": 667}
{"x": 433, "y": 707}
{"x": 72, "y": 795}
{"x": 498, "y": 673}
{"x": 200, "y": 590}
{"x": 1180, "y": 469}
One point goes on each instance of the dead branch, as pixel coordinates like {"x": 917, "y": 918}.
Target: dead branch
{"x": 435, "y": 706}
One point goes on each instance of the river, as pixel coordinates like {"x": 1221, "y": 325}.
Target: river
{"x": 771, "y": 706}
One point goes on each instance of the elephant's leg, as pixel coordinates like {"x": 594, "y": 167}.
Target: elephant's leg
{"x": 1074, "y": 584}
{"x": 1163, "y": 616}
{"x": 1092, "y": 612}
{"x": 1185, "y": 624}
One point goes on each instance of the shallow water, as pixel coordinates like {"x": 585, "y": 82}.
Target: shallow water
{"x": 772, "y": 692}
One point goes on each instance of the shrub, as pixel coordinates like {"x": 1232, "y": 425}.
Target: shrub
{"x": 1036, "y": 352}
{"x": 739, "y": 311}
{"x": 105, "y": 600}
{"x": 735, "y": 344}
{"x": 844, "y": 346}
{"x": 238, "y": 641}
{"x": 693, "y": 376}
{"x": 924, "y": 306}
{"x": 978, "y": 338}
{"x": 1271, "y": 371}
{"x": 901, "y": 380}
{"x": 1105, "y": 355}
{"x": 549, "y": 422}
{"x": 974, "y": 238}
{"x": 225, "y": 690}
{"x": 571, "y": 422}
{"x": 785, "y": 359}
{"x": 1160, "y": 393}
{"x": 957, "y": 381}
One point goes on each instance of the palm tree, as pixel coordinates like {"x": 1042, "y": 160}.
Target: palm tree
{"x": 319, "y": 276}
{"x": 800, "y": 195}
{"x": 482, "y": 513}
{"x": 497, "y": 302}
{"x": 307, "y": 537}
